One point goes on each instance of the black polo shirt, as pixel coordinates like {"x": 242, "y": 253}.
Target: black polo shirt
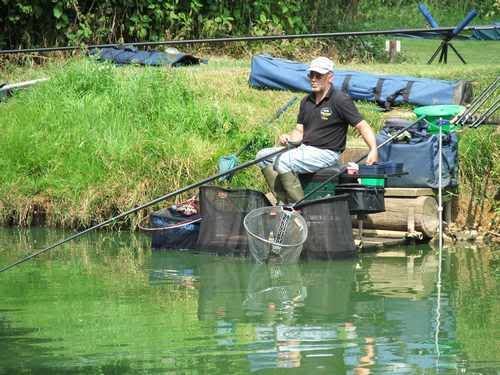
{"x": 325, "y": 124}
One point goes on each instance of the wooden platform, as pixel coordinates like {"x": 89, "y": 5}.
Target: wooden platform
{"x": 408, "y": 192}
{"x": 375, "y": 238}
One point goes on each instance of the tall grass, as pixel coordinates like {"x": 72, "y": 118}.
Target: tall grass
{"x": 97, "y": 139}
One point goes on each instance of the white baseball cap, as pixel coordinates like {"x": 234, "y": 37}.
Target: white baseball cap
{"x": 321, "y": 65}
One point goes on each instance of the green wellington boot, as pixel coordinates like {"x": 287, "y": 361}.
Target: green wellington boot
{"x": 274, "y": 183}
{"x": 292, "y": 186}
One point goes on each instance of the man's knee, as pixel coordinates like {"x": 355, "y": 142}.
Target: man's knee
{"x": 282, "y": 166}
{"x": 262, "y": 154}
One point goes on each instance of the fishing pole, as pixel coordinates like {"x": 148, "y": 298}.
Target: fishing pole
{"x": 151, "y": 203}
{"x": 477, "y": 102}
{"x": 443, "y": 30}
{"x": 230, "y": 161}
{"x": 13, "y": 86}
{"x": 486, "y": 115}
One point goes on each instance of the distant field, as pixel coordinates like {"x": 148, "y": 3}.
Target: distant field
{"x": 419, "y": 51}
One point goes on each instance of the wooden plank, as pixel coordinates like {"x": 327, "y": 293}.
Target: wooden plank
{"x": 408, "y": 192}
{"x": 371, "y": 244}
{"x": 387, "y": 234}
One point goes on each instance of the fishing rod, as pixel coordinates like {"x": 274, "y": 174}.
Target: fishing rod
{"x": 486, "y": 115}
{"x": 230, "y": 161}
{"x": 417, "y": 31}
{"x": 151, "y": 203}
{"x": 14, "y": 86}
{"x": 478, "y": 102}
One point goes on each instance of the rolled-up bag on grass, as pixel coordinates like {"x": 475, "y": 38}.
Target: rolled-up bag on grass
{"x": 268, "y": 72}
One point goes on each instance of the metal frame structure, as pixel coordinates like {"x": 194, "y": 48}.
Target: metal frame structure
{"x": 417, "y": 31}
{"x": 442, "y": 50}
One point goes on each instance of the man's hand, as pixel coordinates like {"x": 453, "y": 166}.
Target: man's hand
{"x": 294, "y": 136}
{"x": 372, "y": 157}
{"x": 283, "y": 139}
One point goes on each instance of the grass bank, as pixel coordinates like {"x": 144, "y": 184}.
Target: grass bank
{"x": 96, "y": 139}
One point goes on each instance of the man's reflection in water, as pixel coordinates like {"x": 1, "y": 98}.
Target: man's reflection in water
{"x": 368, "y": 359}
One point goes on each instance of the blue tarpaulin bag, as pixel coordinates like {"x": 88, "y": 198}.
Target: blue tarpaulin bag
{"x": 268, "y": 72}
{"x": 420, "y": 156}
{"x": 131, "y": 55}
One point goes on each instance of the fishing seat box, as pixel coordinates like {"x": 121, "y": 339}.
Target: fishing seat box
{"x": 310, "y": 181}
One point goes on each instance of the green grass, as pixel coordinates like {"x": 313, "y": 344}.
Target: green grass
{"x": 483, "y": 53}
{"x": 96, "y": 139}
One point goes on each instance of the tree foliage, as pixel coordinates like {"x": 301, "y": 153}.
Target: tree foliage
{"x": 39, "y": 23}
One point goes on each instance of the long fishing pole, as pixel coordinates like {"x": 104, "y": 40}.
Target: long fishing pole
{"x": 463, "y": 117}
{"x": 443, "y": 30}
{"x": 230, "y": 161}
{"x": 20, "y": 85}
{"x": 276, "y": 116}
{"x": 477, "y": 102}
{"x": 151, "y": 203}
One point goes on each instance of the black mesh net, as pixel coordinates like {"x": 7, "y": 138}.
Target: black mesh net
{"x": 330, "y": 228}
{"x": 223, "y": 211}
{"x": 363, "y": 199}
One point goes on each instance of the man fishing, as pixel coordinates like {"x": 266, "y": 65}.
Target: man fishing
{"x": 322, "y": 123}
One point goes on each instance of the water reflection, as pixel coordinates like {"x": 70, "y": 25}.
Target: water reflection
{"x": 274, "y": 292}
{"x": 396, "y": 312}
{"x": 352, "y": 316}
{"x": 108, "y": 304}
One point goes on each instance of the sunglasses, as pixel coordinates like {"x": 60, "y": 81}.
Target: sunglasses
{"x": 316, "y": 75}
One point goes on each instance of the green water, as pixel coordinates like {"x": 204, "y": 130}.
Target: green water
{"x": 106, "y": 304}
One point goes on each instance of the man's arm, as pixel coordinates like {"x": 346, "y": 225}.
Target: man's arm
{"x": 369, "y": 137}
{"x": 294, "y": 136}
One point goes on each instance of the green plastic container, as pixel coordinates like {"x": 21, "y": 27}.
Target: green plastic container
{"x": 326, "y": 191}
{"x": 372, "y": 181}
{"x": 433, "y": 113}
